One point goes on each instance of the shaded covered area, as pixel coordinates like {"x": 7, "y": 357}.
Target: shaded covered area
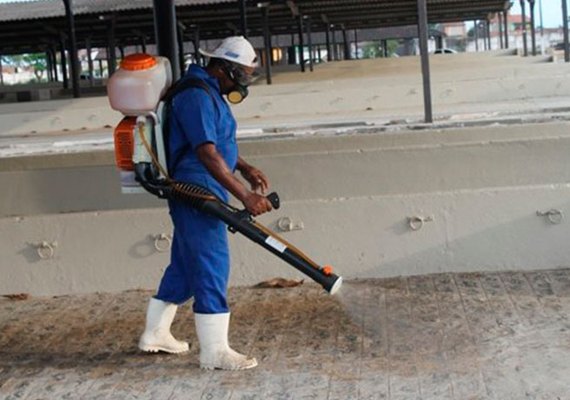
{"x": 49, "y": 27}
{"x": 35, "y": 26}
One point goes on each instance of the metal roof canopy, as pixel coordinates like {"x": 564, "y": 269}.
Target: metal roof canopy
{"x": 35, "y": 26}
{"x": 215, "y": 19}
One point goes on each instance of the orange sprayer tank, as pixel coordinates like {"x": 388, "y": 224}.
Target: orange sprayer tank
{"x": 135, "y": 90}
{"x": 137, "y": 86}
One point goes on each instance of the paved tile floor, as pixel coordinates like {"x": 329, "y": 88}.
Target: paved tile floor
{"x": 446, "y": 336}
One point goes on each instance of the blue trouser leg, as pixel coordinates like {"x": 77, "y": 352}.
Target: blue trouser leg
{"x": 200, "y": 262}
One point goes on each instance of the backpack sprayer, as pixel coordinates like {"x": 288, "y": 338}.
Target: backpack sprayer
{"x": 135, "y": 90}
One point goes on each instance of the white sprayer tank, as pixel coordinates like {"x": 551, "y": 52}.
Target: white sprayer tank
{"x": 137, "y": 86}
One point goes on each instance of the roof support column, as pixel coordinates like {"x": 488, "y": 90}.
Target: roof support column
{"x": 165, "y": 33}
{"x": 301, "y": 43}
{"x": 356, "y": 43}
{"x": 532, "y": 27}
{"x": 488, "y": 25}
{"x": 328, "y": 40}
{"x": 266, "y": 41}
{"x": 542, "y": 50}
{"x": 501, "y": 41}
{"x": 49, "y": 68}
{"x": 1, "y": 72}
{"x": 196, "y": 42}
{"x": 180, "y": 39}
{"x": 346, "y": 43}
{"x": 243, "y": 17}
{"x": 334, "y": 45}
{"x": 54, "y": 64}
{"x": 143, "y": 43}
{"x": 476, "y": 30}
{"x": 73, "y": 59}
{"x": 566, "y": 41}
{"x": 423, "y": 36}
{"x": 523, "y": 11}
{"x": 309, "y": 42}
{"x": 63, "y": 60}
{"x": 506, "y": 21}
{"x": 292, "y": 51}
{"x": 385, "y": 48}
{"x": 111, "y": 51}
{"x": 89, "y": 61}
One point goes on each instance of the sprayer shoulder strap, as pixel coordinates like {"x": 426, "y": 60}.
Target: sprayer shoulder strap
{"x": 184, "y": 84}
{"x": 179, "y": 87}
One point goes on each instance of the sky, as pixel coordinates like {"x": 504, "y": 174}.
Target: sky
{"x": 551, "y": 9}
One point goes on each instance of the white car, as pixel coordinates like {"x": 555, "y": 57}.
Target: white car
{"x": 445, "y": 51}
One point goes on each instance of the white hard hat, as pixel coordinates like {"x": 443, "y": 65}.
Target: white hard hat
{"x": 236, "y": 49}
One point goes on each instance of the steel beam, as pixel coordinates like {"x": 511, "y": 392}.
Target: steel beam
{"x": 328, "y": 41}
{"x": 488, "y": 25}
{"x": 180, "y": 40}
{"x": 165, "y": 33}
{"x": 243, "y": 17}
{"x": 523, "y": 12}
{"x": 356, "y": 43}
{"x": 301, "y": 42}
{"x": 346, "y": 43}
{"x": 501, "y": 39}
{"x": 476, "y": 31}
{"x": 506, "y": 20}
{"x": 54, "y": 58}
{"x": 73, "y": 58}
{"x": 423, "y": 38}
{"x": 309, "y": 41}
{"x": 63, "y": 60}
{"x": 565, "y": 24}
{"x": 111, "y": 50}
{"x": 89, "y": 61}
{"x": 532, "y": 27}
{"x": 266, "y": 42}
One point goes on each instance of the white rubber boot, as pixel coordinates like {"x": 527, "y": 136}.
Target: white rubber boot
{"x": 212, "y": 331}
{"x": 157, "y": 336}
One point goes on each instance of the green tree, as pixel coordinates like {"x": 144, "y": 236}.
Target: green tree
{"x": 36, "y": 61}
{"x": 374, "y": 49}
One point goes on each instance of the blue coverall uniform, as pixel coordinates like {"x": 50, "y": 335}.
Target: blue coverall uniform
{"x": 200, "y": 263}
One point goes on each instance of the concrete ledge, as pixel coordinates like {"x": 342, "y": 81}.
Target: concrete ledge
{"x": 318, "y": 167}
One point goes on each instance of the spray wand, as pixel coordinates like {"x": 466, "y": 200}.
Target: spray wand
{"x": 241, "y": 221}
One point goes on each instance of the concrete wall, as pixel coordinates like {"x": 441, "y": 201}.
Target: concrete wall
{"x": 478, "y": 188}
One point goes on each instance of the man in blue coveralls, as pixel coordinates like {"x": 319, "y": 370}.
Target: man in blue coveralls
{"x": 203, "y": 150}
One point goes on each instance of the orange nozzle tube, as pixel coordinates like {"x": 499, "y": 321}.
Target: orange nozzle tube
{"x": 327, "y": 270}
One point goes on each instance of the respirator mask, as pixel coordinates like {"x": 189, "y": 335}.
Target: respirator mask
{"x": 241, "y": 80}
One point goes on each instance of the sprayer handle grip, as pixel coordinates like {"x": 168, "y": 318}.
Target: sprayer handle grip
{"x": 273, "y": 198}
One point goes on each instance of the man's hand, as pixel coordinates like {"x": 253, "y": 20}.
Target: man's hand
{"x": 256, "y": 204}
{"x": 256, "y": 178}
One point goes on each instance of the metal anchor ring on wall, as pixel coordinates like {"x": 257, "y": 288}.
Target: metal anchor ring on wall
{"x": 554, "y": 216}
{"x": 416, "y": 222}
{"x": 162, "y": 242}
{"x": 285, "y": 224}
{"x": 46, "y": 250}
